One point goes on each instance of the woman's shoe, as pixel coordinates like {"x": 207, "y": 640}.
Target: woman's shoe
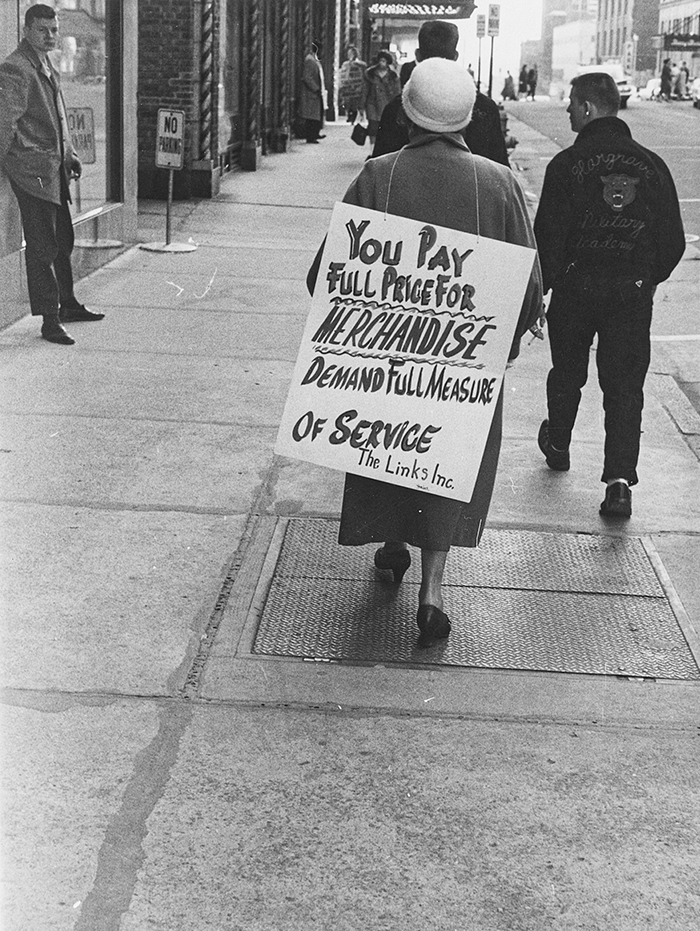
{"x": 397, "y": 561}
{"x": 433, "y": 624}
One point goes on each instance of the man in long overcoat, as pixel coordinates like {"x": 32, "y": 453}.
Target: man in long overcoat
{"x": 483, "y": 134}
{"x": 37, "y": 155}
{"x": 312, "y": 102}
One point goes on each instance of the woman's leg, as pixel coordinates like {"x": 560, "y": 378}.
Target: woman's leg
{"x": 433, "y": 569}
{"x": 394, "y": 546}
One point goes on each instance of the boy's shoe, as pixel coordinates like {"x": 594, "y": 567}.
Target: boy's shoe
{"x": 618, "y": 501}
{"x": 557, "y": 459}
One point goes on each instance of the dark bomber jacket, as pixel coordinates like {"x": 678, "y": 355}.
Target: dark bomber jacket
{"x": 608, "y": 206}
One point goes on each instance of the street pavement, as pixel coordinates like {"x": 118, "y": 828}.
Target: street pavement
{"x": 158, "y": 775}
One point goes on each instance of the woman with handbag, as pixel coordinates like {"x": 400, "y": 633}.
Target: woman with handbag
{"x": 382, "y": 84}
{"x": 435, "y": 179}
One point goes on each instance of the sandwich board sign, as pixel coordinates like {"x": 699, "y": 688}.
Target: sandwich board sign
{"x": 403, "y": 356}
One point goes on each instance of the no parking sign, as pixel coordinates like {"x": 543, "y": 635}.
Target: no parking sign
{"x": 170, "y": 139}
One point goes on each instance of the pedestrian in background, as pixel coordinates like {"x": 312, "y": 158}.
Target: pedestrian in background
{"x": 351, "y": 84}
{"x": 522, "y": 81}
{"x": 381, "y": 85}
{"x": 608, "y": 229}
{"x": 508, "y": 92}
{"x": 483, "y": 134}
{"x": 532, "y": 82}
{"x": 37, "y": 155}
{"x": 436, "y": 179}
{"x": 312, "y": 104}
{"x": 666, "y": 83}
{"x": 681, "y": 80}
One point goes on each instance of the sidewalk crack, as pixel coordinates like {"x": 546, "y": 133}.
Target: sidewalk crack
{"x": 122, "y": 855}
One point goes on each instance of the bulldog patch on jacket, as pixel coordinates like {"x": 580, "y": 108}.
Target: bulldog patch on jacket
{"x": 619, "y": 190}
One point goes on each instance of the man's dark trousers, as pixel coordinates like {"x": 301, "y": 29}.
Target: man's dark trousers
{"x": 312, "y": 130}
{"x": 48, "y": 233}
{"x": 619, "y": 311}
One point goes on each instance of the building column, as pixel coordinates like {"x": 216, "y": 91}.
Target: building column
{"x": 283, "y": 117}
{"x": 252, "y": 145}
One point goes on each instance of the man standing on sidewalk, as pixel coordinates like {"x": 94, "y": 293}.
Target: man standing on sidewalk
{"x": 608, "y": 230}
{"x": 312, "y": 104}
{"x": 36, "y": 154}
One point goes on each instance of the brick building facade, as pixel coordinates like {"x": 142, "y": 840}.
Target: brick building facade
{"x": 234, "y": 67}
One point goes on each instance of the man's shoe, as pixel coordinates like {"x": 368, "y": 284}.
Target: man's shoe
{"x": 55, "y": 332}
{"x": 557, "y": 459}
{"x": 78, "y": 314}
{"x": 618, "y": 501}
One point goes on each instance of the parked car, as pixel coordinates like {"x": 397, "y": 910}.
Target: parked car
{"x": 623, "y": 81}
{"x": 695, "y": 92}
{"x": 652, "y": 89}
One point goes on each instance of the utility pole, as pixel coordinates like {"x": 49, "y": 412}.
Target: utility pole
{"x": 480, "y": 33}
{"x": 494, "y": 23}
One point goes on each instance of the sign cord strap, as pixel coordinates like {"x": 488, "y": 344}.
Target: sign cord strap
{"x": 391, "y": 177}
{"x": 476, "y": 191}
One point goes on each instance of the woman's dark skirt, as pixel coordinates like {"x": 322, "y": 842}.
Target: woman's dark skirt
{"x": 374, "y": 512}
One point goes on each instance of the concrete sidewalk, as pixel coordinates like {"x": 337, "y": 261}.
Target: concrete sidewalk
{"x": 159, "y": 774}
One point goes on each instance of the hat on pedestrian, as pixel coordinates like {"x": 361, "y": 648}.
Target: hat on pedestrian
{"x": 439, "y": 96}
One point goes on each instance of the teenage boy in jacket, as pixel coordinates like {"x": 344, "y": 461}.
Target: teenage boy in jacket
{"x": 36, "y": 154}
{"x": 608, "y": 230}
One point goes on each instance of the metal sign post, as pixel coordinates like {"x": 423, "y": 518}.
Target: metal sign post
{"x": 170, "y": 154}
{"x": 494, "y": 23}
{"x": 480, "y": 33}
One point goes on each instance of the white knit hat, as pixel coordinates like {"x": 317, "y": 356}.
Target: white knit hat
{"x": 439, "y": 96}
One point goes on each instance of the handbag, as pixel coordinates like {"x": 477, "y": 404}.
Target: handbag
{"x": 359, "y": 134}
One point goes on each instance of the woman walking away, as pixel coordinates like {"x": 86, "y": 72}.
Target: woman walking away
{"x": 381, "y": 85}
{"x": 351, "y": 84}
{"x": 522, "y": 81}
{"x": 435, "y": 179}
{"x": 508, "y": 92}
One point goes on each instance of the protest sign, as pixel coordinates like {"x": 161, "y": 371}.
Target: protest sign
{"x": 404, "y": 350}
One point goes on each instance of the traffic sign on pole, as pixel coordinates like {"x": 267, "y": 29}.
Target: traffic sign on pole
{"x": 494, "y": 18}
{"x": 170, "y": 154}
{"x": 170, "y": 139}
{"x": 480, "y": 27}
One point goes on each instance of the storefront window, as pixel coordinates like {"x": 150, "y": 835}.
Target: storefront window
{"x": 229, "y": 82}
{"x": 81, "y": 59}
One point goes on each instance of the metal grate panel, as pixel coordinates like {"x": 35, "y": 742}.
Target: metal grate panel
{"x": 535, "y": 601}
{"x": 520, "y": 559}
{"x": 491, "y": 628}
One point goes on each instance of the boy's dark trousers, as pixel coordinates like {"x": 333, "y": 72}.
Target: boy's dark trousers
{"x": 49, "y": 237}
{"x": 619, "y": 311}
